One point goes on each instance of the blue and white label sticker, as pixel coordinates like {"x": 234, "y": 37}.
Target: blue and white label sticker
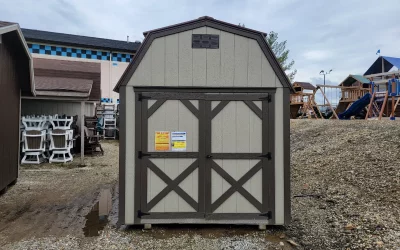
{"x": 178, "y": 141}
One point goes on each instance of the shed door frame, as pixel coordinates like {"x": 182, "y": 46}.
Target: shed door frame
{"x": 204, "y": 156}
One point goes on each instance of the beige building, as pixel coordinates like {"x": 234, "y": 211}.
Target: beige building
{"x": 113, "y": 56}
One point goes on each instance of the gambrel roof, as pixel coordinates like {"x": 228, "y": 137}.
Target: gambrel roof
{"x": 205, "y": 21}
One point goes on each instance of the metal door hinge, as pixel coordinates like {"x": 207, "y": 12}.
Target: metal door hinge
{"x": 267, "y": 155}
{"x": 141, "y": 154}
{"x": 140, "y": 213}
{"x": 268, "y": 98}
{"x": 141, "y": 97}
{"x": 267, "y": 214}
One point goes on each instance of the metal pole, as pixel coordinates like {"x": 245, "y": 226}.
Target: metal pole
{"x": 82, "y": 132}
{"x": 324, "y": 88}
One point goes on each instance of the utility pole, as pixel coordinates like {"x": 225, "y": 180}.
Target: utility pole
{"x": 322, "y": 72}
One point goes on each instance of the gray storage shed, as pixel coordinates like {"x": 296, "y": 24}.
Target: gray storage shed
{"x": 204, "y": 130}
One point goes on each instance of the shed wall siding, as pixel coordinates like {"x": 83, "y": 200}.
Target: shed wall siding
{"x": 49, "y": 107}
{"x": 128, "y": 97}
{"x": 171, "y": 61}
{"x": 279, "y": 156}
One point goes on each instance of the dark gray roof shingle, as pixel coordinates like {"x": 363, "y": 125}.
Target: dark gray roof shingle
{"x": 79, "y": 41}
{"x": 4, "y": 24}
{"x": 50, "y": 83}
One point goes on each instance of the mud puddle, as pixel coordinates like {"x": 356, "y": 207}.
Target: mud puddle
{"x": 97, "y": 218}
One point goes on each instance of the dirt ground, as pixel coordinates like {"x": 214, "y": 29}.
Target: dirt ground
{"x": 53, "y": 199}
{"x": 345, "y": 195}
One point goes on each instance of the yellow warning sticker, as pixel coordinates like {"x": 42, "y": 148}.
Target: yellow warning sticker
{"x": 162, "y": 140}
{"x": 179, "y": 145}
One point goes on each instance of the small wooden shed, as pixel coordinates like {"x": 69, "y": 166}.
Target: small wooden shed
{"x": 16, "y": 77}
{"x": 204, "y": 129}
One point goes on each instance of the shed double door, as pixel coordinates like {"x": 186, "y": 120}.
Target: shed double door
{"x": 226, "y": 171}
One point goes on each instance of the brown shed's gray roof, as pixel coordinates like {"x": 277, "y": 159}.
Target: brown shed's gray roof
{"x": 4, "y": 24}
{"x": 204, "y": 22}
{"x": 79, "y": 41}
{"x": 305, "y": 85}
{"x": 63, "y": 78}
{"x": 66, "y": 65}
{"x": 49, "y": 83}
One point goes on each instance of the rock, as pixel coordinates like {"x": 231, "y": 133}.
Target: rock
{"x": 281, "y": 244}
{"x": 379, "y": 243}
{"x": 293, "y": 243}
{"x": 282, "y": 236}
{"x": 330, "y": 220}
{"x": 322, "y": 206}
{"x": 349, "y": 227}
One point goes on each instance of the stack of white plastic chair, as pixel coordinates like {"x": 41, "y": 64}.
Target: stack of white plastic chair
{"x": 61, "y": 139}
{"x": 34, "y": 140}
{"x": 109, "y": 121}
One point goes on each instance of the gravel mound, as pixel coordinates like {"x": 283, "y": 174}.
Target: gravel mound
{"x": 345, "y": 184}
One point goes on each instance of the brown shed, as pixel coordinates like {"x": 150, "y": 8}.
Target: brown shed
{"x": 16, "y": 77}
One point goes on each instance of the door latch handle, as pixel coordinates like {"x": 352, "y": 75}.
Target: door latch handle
{"x": 209, "y": 156}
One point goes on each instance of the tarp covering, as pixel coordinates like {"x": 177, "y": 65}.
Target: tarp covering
{"x": 388, "y": 63}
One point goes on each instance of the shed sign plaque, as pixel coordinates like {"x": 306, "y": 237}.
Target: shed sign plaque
{"x": 178, "y": 141}
{"x": 162, "y": 140}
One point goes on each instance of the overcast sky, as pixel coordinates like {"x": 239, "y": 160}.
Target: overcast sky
{"x": 339, "y": 35}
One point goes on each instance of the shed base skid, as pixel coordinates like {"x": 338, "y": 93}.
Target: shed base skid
{"x": 260, "y": 223}
{"x": 262, "y": 227}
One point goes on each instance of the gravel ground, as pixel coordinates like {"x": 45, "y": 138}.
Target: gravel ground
{"x": 112, "y": 239}
{"x": 350, "y": 169}
{"x": 345, "y": 195}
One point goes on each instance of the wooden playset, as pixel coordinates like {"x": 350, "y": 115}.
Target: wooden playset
{"x": 302, "y": 103}
{"x": 374, "y": 95}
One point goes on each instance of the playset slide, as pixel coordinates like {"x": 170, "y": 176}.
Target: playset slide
{"x": 356, "y": 107}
